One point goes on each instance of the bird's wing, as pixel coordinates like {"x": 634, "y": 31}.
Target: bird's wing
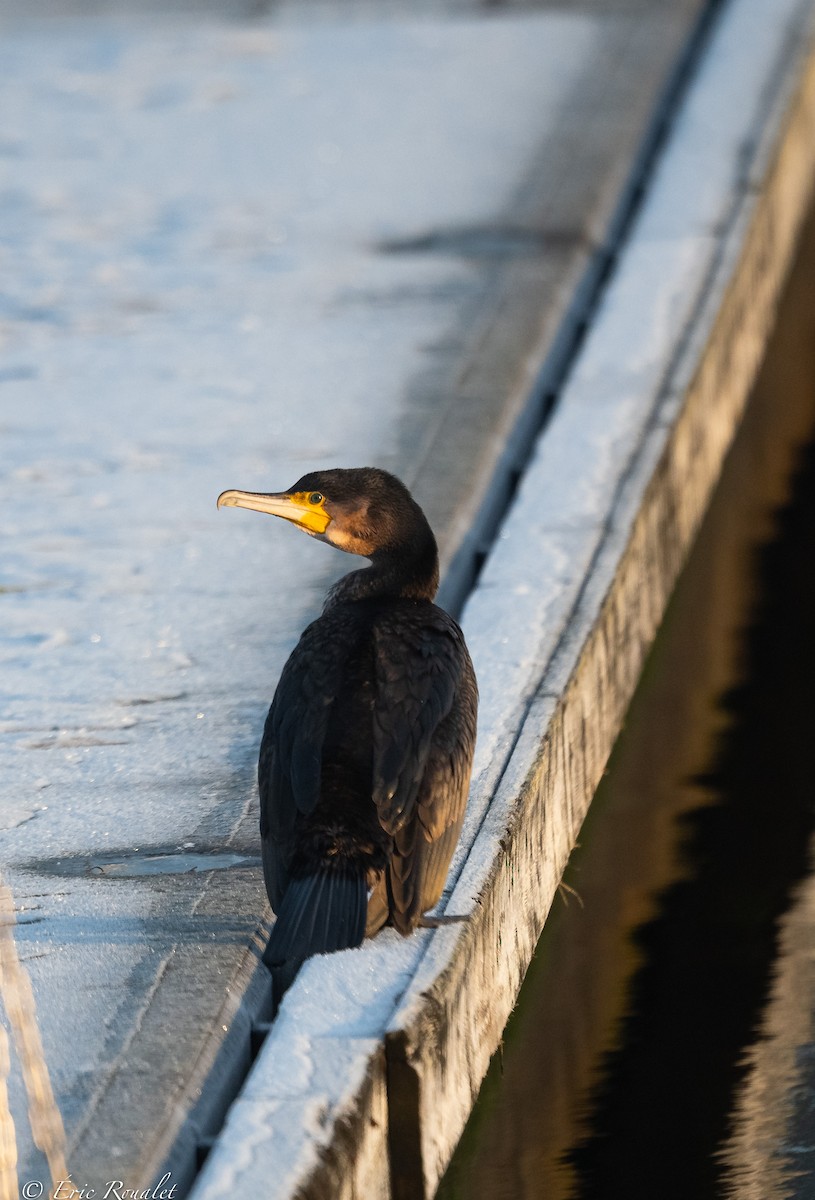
{"x": 291, "y": 750}
{"x": 424, "y": 819}
{"x": 418, "y": 669}
{"x": 418, "y": 867}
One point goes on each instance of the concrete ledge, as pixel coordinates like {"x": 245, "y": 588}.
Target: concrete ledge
{"x": 321, "y": 1119}
{"x": 559, "y": 626}
{"x": 198, "y": 1111}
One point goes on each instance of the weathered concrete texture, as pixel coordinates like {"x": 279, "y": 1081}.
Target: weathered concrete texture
{"x": 193, "y": 1051}
{"x": 233, "y": 250}
{"x": 572, "y": 593}
{"x": 453, "y": 1014}
{"x": 344, "y": 1153}
{"x": 584, "y": 967}
{"x": 305, "y": 11}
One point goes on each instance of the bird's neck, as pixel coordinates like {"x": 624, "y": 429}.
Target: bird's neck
{"x": 403, "y": 572}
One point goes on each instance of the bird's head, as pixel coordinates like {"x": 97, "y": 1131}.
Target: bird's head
{"x": 361, "y": 510}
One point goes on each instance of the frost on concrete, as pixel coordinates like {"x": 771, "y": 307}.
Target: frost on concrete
{"x": 200, "y": 232}
{"x": 537, "y": 605}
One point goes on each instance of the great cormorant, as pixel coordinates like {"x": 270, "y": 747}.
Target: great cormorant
{"x": 366, "y": 754}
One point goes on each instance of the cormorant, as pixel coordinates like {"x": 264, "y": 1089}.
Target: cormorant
{"x": 366, "y": 753}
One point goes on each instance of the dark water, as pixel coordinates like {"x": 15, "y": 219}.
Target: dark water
{"x": 642, "y": 1036}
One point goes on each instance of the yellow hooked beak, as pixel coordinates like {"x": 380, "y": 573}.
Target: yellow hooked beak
{"x": 306, "y": 509}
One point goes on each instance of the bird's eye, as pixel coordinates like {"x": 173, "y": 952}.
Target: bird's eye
{"x": 315, "y": 498}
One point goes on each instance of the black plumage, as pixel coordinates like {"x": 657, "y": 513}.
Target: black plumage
{"x": 366, "y": 754}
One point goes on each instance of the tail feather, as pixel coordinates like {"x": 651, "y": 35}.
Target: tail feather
{"x": 319, "y": 913}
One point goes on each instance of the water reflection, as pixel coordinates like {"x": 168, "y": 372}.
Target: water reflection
{"x": 20, "y": 1013}
{"x": 767, "y": 1155}
{"x": 629, "y": 1047}
{"x": 669, "y": 1083}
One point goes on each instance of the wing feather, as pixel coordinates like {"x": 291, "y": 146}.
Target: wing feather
{"x": 290, "y": 764}
{"x": 418, "y": 671}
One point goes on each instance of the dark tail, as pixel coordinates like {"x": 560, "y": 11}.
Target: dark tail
{"x": 319, "y": 913}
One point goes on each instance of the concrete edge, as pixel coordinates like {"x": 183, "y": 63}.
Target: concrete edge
{"x": 196, "y": 1113}
{"x": 465, "y": 978}
{"x": 451, "y": 1020}
{"x": 296, "y": 1133}
{"x": 542, "y": 376}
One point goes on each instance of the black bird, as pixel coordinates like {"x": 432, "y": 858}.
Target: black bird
{"x": 366, "y": 754}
